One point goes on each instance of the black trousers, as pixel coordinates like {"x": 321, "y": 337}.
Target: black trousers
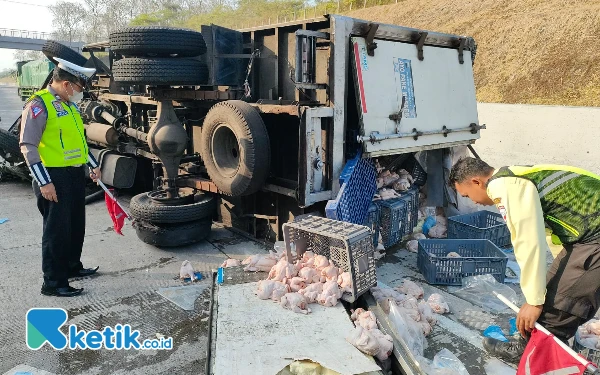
{"x": 572, "y": 289}
{"x": 64, "y": 224}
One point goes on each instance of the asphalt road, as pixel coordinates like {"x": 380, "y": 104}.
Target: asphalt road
{"x": 10, "y": 106}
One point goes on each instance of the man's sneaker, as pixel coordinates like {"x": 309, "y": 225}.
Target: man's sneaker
{"x": 509, "y": 351}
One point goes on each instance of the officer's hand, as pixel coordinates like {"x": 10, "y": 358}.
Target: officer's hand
{"x": 527, "y": 317}
{"x": 96, "y": 174}
{"x": 49, "y": 192}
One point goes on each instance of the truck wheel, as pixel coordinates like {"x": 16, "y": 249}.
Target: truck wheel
{"x": 169, "y": 235}
{"x": 235, "y": 148}
{"x": 160, "y": 71}
{"x": 9, "y": 142}
{"x": 143, "y": 208}
{"x": 54, "y": 49}
{"x": 157, "y": 41}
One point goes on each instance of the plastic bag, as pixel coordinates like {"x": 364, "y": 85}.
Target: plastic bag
{"x": 495, "y": 332}
{"x": 495, "y": 366}
{"x": 429, "y": 223}
{"x": 446, "y": 360}
{"x": 408, "y": 330}
{"x": 480, "y": 290}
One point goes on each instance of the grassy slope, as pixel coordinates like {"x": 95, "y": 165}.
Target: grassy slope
{"x": 529, "y": 51}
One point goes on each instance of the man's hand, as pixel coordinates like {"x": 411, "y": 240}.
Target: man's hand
{"x": 49, "y": 192}
{"x": 96, "y": 174}
{"x": 527, "y": 317}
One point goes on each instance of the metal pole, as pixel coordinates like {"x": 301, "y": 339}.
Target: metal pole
{"x": 538, "y": 326}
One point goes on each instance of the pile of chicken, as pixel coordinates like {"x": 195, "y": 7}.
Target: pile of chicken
{"x": 589, "y": 334}
{"x": 390, "y": 183}
{"x": 409, "y": 298}
{"x": 367, "y": 338}
{"x": 311, "y": 279}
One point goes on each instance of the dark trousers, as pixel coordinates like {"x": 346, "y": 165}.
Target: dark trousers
{"x": 572, "y": 289}
{"x": 64, "y": 225}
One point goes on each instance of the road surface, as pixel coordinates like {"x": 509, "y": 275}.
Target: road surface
{"x": 10, "y": 106}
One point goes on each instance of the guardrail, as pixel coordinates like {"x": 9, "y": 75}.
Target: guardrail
{"x": 25, "y": 34}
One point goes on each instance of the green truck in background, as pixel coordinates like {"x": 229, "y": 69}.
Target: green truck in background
{"x": 31, "y": 76}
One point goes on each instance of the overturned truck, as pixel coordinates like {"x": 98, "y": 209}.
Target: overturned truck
{"x": 256, "y": 125}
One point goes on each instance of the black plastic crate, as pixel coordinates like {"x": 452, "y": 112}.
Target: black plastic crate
{"x": 480, "y": 225}
{"x": 412, "y": 166}
{"x": 477, "y": 257}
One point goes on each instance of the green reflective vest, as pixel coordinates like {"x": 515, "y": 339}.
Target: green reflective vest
{"x": 63, "y": 141}
{"x": 570, "y": 199}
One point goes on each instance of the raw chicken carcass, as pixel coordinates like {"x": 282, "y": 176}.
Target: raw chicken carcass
{"x": 427, "y": 313}
{"x": 295, "y": 302}
{"x": 321, "y": 262}
{"x": 453, "y": 255}
{"x": 312, "y": 292}
{"x": 389, "y": 180}
{"x": 345, "y": 282}
{"x": 231, "y": 263}
{"x": 419, "y": 236}
{"x": 260, "y": 262}
{"x": 187, "y": 271}
{"x": 412, "y": 246}
{"x": 297, "y": 283}
{"x": 438, "y": 304}
{"x": 385, "y": 344}
{"x": 365, "y": 319}
{"x": 593, "y": 326}
{"x": 403, "y": 173}
{"x": 438, "y": 231}
{"x": 310, "y": 275}
{"x": 282, "y": 271}
{"x": 330, "y": 295}
{"x": 401, "y": 184}
{"x": 425, "y": 327}
{"x": 413, "y": 313}
{"x": 410, "y": 288}
{"x": 272, "y": 289}
{"x": 331, "y": 272}
{"x": 364, "y": 341}
{"x": 385, "y": 194}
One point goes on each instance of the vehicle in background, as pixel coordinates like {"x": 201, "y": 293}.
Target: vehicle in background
{"x": 31, "y": 76}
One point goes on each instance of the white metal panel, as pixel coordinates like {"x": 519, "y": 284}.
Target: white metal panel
{"x": 257, "y": 336}
{"x": 439, "y": 92}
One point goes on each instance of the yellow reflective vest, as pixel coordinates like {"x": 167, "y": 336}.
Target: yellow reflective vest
{"x": 63, "y": 141}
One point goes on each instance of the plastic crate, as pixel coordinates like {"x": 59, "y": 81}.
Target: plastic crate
{"x": 412, "y": 166}
{"x": 398, "y": 217}
{"x": 592, "y": 355}
{"x": 355, "y": 195}
{"x": 349, "y": 246}
{"x": 477, "y": 257}
{"x": 480, "y": 225}
{"x": 372, "y": 222}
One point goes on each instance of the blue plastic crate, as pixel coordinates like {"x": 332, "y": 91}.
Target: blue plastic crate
{"x": 480, "y": 225}
{"x": 355, "y": 195}
{"x": 477, "y": 257}
{"x": 398, "y": 217}
{"x": 372, "y": 222}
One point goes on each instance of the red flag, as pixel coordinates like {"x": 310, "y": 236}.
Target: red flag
{"x": 543, "y": 356}
{"x": 116, "y": 212}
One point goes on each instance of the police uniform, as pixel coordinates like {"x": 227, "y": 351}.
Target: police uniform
{"x": 54, "y": 146}
{"x": 567, "y": 200}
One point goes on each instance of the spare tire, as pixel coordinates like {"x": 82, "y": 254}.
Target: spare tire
{"x": 157, "y": 41}
{"x": 9, "y": 142}
{"x": 169, "y": 235}
{"x": 54, "y": 49}
{"x": 160, "y": 71}
{"x": 235, "y": 148}
{"x": 142, "y": 208}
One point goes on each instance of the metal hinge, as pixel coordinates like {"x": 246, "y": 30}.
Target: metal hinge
{"x": 420, "y": 43}
{"x": 461, "y": 46}
{"x": 371, "y": 45}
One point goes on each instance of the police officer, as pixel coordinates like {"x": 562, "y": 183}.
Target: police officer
{"x": 567, "y": 200}
{"x": 53, "y": 143}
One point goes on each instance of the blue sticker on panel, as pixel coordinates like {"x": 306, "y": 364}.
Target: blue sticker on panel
{"x": 404, "y": 70}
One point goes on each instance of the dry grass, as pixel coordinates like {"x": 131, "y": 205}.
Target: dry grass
{"x": 529, "y": 51}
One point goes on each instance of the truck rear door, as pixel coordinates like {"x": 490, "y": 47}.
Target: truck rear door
{"x": 407, "y": 104}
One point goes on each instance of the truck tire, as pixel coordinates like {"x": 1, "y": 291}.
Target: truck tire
{"x": 157, "y": 41}
{"x": 170, "y": 235}
{"x": 9, "y": 142}
{"x": 54, "y": 49}
{"x": 142, "y": 208}
{"x": 160, "y": 71}
{"x": 235, "y": 148}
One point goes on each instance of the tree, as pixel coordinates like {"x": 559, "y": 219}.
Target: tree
{"x": 22, "y": 55}
{"x": 68, "y": 20}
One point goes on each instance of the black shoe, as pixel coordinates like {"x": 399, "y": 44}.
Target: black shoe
{"x": 66, "y": 291}
{"x": 509, "y": 351}
{"x": 83, "y": 272}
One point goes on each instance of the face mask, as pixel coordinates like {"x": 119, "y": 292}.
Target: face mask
{"x": 77, "y": 96}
